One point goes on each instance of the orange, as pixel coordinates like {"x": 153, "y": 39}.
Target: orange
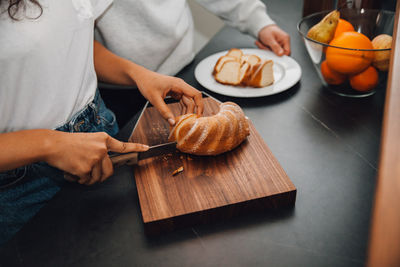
{"x": 331, "y": 76}
{"x": 349, "y": 61}
{"x": 366, "y": 80}
{"x": 343, "y": 26}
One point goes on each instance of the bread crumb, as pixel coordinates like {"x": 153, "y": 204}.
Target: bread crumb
{"x": 166, "y": 157}
{"x": 180, "y": 169}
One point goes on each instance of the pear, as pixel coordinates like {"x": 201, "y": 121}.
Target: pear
{"x": 324, "y": 30}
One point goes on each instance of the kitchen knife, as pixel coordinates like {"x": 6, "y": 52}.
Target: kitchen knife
{"x": 132, "y": 158}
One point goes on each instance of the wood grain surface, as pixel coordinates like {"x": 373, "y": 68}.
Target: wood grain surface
{"x": 210, "y": 188}
{"x": 384, "y": 244}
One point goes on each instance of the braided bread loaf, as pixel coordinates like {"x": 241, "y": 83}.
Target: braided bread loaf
{"x": 211, "y": 135}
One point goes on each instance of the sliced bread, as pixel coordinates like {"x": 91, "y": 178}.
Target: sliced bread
{"x": 251, "y": 59}
{"x": 220, "y": 62}
{"x": 229, "y": 73}
{"x": 236, "y": 53}
{"x": 262, "y": 74}
{"x": 236, "y": 68}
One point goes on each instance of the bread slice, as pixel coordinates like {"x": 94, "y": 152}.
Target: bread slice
{"x": 262, "y": 74}
{"x": 234, "y": 52}
{"x": 251, "y": 59}
{"x": 248, "y": 75}
{"x": 220, "y": 62}
{"x": 229, "y": 73}
{"x": 244, "y": 72}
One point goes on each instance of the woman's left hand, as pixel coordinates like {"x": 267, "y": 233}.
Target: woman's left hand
{"x": 155, "y": 87}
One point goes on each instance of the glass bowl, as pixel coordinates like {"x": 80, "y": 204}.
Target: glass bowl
{"x": 369, "y": 22}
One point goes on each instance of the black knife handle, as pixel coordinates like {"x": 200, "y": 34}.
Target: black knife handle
{"x": 128, "y": 159}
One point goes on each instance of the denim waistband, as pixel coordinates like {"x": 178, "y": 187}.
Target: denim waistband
{"x": 88, "y": 114}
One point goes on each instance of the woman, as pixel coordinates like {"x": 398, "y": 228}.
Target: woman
{"x": 49, "y": 66}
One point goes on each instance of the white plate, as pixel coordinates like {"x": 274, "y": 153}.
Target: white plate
{"x": 287, "y": 73}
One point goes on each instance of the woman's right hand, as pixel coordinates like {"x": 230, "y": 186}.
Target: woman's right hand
{"x": 85, "y": 154}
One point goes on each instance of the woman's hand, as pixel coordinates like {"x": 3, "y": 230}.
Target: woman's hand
{"x": 85, "y": 154}
{"x": 155, "y": 87}
{"x": 273, "y": 38}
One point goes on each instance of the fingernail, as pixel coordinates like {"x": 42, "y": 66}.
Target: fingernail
{"x": 171, "y": 121}
{"x": 145, "y": 147}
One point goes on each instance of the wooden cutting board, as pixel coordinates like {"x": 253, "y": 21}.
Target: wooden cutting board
{"x": 210, "y": 188}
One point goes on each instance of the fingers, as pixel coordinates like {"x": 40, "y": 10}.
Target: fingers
{"x": 164, "y": 110}
{"x": 176, "y": 95}
{"x": 121, "y": 147}
{"x": 284, "y": 40}
{"x": 261, "y": 45}
{"x": 286, "y": 45}
{"x": 183, "y": 106}
{"x": 161, "y": 86}
{"x": 88, "y": 161}
{"x": 191, "y": 93}
{"x": 198, "y": 100}
{"x": 95, "y": 175}
{"x": 190, "y": 100}
{"x": 100, "y": 172}
{"x": 275, "y": 47}
{"x": 84, "y": 178}
{"x": 107, "y": 169}
{"x": 70, "y": 178}
{"x": 188, "y": 104}
{"x": 275, "y": 38}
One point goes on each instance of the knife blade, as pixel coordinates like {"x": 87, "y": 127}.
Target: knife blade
{"x": 132, "y": 158}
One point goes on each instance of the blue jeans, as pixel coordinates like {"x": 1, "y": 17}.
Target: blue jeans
{"x": 25, "y": 190}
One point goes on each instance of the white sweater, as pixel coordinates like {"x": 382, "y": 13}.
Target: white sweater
{"x": 158, "y": 34}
